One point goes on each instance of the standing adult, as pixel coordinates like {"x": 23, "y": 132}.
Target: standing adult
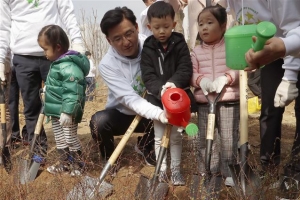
{"x": 90, "y": 79}
{"x": 144, "y": 20}
{"x": 21, "y": 22}
{"x": 120, "y": 69}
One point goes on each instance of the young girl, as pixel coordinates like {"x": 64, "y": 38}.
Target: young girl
{"x": 210, "y": 77}
{"x": 64, "y": 97}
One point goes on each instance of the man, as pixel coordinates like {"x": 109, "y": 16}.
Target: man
{"x": 21, "y": 22}
{"x": 120, "y": 69}
{"x": 90, "y": 79}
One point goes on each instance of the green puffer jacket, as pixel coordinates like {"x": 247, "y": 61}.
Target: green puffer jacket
{"x": 65, "y": 86}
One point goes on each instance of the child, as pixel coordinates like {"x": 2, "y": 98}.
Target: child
{"x": 166, "y": 63}
{"x": 212, "y": 76}
{"x": 64, "y": 97}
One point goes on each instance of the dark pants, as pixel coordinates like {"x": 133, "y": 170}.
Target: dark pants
{"x": 254, "y": 82}
{"x": 110, "y": 122}
{"x": 90, "y": 87}
{"x": 30, "y": 72}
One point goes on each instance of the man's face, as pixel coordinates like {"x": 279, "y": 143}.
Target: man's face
{"x": 124, "y": 38}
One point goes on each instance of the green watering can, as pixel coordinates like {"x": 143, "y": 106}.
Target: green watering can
{"x": 238, "y": 40}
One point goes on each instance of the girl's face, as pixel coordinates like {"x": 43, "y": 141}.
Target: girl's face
{"x": 211, "y": 32}
{"x": 50, "y": 53}
{"x": 162, "y": 28}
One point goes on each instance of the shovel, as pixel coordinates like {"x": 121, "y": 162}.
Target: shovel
{"x": 28, "y": 167}
{"x": 90, "y": 188}
{"x": 246, "y": 181}
{"x": 4, "y": 157}
{"x": 152, "y": 189}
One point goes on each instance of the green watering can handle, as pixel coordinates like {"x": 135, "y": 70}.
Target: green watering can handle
{"x": 264, "y": 31}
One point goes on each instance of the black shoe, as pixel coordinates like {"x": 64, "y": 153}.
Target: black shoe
{"x": 148, "y": 155}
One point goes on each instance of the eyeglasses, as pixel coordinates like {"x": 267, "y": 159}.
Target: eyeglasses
{"x": 128, "y": 36}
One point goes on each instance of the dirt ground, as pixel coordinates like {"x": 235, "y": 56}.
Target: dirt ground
{"x": 50, "y": 187}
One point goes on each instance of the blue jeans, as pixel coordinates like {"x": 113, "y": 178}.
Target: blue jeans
{"x": 90, "y": 88}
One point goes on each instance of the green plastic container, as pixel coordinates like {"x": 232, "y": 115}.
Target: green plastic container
{"x": 238, "y": 40}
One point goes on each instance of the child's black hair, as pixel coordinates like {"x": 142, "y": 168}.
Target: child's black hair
{"x": 160, "y": 10}
{"x": 55, "y": 35}
{"x": 218, "y": 12}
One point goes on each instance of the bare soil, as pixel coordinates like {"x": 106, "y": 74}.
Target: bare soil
{"x": 50, "y": 187}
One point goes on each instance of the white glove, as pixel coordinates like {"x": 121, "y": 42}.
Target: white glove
{"x": 167, "y": 86}
{"x": 219, "y": 83}
{"x": 285, "y": 93}
{"x": 65, "y": 119}
{"x": 2, "y": 72}
{"x": 162, "y": 118}
{"x": 206, "y": 85}
{"x": 78, "y": 47}
{"x": 44, "y": 89}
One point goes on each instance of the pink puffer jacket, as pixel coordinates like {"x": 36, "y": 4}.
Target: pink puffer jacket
{"x": 209, "y": 61}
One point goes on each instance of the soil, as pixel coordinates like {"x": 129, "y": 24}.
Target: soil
{"x": 51, "y": 187}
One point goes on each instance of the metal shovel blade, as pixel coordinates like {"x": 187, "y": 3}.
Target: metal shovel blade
{"x": 195, "y": 189}
{"x": 28, "y": 171}
{"x": 247, "y": 184}
{"x": 150, "y": 190}
{"x": 85, "y": 190}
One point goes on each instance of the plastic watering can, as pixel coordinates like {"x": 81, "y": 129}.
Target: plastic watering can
{"x": 238, "y": 40}
{"x": 177, "y": 108}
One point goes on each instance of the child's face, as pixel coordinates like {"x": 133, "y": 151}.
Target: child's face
{"x": 210, "y": 31}
{"x": 162, "y": 28}
{"x": 50, "y": 53}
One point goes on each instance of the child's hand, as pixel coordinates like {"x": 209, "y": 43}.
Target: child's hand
{"x": 206, "y": 85}
{"x": 219, "y": 83}
{"x": 162, "y": 118}
{"x": 65, "y": 119}
{"x": 167, "y": 86}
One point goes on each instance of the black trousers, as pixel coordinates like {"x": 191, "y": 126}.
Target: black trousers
{"x": 254, "y": 82}
{"x": 30, "y": 72}
{"x": 271, "y": 117}
{"x": 110, "y": 122}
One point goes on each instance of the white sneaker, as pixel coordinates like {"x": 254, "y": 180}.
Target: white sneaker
{"x": 229, "y": 182}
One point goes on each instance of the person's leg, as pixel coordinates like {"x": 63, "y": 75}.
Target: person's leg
{"x": 88, "y": 88}
{"x": 29, "y": 76}
{"x": 254, "y": 82}
{"x": 92, "y": 89}
{"x": 228, "y": 122}
{"x": 108, "y": 123}
{"x": 13, "y": 103}
{"x": 271, "y": 117}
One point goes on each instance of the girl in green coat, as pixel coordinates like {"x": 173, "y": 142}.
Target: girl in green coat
{"x": 64, "y": 97}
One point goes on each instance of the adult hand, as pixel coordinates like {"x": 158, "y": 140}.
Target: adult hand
{"x": 78, "y": 47}
{"x": 219, "y": 83}
{"x": 2, "y": 72}
{"x": 206, "y": 85}
{"x": 65, "y": 119}
{"x": 274, "y": 49}
{"x": 162, "y": 118}
{"x": 167, "y": 86}
{"x": 286, "y": 92}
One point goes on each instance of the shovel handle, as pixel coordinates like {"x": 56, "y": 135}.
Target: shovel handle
{"x": 243, "y": 107}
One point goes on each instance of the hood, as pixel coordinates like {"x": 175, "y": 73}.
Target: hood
{"x": 80, "y": 60}
{"x": 152, "y": 42}
{"x": 111, "y": 51}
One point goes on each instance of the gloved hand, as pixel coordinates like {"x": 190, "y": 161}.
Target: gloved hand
{"x": 206, "y": 85}
{"x": 78, "y": 47}
{"x": 162, "y": 118}
{"x": 167, "y": 86}
{"x": 285, "y": 93}
{"x": 44, "y": 89}
{"x": 2, "y": 72}
{"x": 219, "y": 83}
{"x": 65, "y": 119}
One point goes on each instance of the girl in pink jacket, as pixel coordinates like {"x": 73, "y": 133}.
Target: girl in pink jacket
{"x": 210, "y": 77}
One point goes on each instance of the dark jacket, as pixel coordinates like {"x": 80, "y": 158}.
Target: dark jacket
{"x": 160, "y": 65}
{"x": 65, "y": 86}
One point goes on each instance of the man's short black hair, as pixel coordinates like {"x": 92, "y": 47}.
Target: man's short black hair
{"x": 114, "y": 17}
{"x": 160, "y": 9}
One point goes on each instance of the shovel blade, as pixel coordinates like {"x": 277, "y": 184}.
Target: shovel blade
{"x": 146, "y": 189}
{"x": 90, "y": 188}
{"x": 28, "y": 171}
{"x": 247, "y": 183}
{"x": 195, "y": 189}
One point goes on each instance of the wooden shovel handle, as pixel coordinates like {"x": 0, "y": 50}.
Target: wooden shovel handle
{"x": 243, "y": 107}
{"x": 166, "y": 138}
